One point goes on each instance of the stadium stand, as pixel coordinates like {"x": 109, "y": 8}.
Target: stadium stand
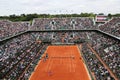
{"x": 108, "y": 50}
{"x": 19, "y": 55}
{"x": 62, "y": 23}
{"x": 16, "y": 54}
{"x": 96, "y": 67}
{"x": 8, "y": 28}
{"x": 112, "y": 27}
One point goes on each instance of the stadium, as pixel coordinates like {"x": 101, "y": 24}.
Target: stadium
{"x": 72, "y": 48}
{"x": 60, "y": 40}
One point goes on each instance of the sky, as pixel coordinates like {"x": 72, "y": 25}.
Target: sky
{"x": 9, "y": 7}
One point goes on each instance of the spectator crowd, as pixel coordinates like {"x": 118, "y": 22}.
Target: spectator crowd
{"x": 62, "y": 23}
{"x": 8, "y": 28}
{"x": 19, "y": 55}
{"x": 96, "y": 67}
{"x": 112, "y": 27}
{"x": 108, "y": 49}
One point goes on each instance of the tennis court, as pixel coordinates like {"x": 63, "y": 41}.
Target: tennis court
{"x": 63, "y": 63}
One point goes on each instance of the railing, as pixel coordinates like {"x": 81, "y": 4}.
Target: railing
{"x": 42, "y": 31}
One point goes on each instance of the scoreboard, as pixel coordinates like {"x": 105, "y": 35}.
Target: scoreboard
{"x": 101, "y": 18}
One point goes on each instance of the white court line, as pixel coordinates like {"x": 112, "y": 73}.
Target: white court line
{"x": 70, "y": 65}
{"x": 49, "y": 59}
{"x": 51, "y": 63}
{"x": 61, "y": 60}
{"x": 37, "y": 65}
{"x": 83, "y": 62}
{"x": 73, "y": 60}
{"x": 46, "y": 69}
{"x": 73, "y": 63}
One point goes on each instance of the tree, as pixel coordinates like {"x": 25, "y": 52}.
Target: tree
{"x": 109, "y": 16}
{"x": 101, "y": 14}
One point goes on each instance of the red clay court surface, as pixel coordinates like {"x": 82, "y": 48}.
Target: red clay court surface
{"x": 64, "y": 63}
